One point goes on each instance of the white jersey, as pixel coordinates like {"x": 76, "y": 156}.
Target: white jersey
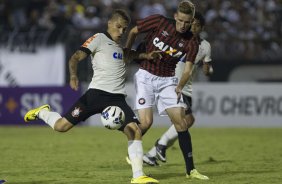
{"x": 203, "y": 55}
{"x": 107, "y": 63}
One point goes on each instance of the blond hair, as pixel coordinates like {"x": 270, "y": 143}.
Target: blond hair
{"x": 122, "y": 14}
{"x": 186, "y": 7}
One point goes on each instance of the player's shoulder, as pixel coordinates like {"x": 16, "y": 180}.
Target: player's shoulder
{"x": 169, "y": 19}
{"x": 102, "y": 35}
{"x": 95, "y": 35}
{"x": 155, "y": 16}
{"x": 205, "y": 44}
{"x": 105, "y": 36}
{"x": 162, "y": 18}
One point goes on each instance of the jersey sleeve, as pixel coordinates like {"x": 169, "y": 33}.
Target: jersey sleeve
{"x": 192, "y": 50}
{"x": 207, "y": 57}
{"x": 149, "y": 23}
{"x": 91, "y": 44}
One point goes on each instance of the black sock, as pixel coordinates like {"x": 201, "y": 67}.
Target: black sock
{"x": 185, "y": 144}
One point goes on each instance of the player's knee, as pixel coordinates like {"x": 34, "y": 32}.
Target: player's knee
{"x": 62, "y": 126}
{"x": 145, "y": 124}
{"x": 144, "y": 128}
{"x": 59, "y": 128}
{"x": 180, "y": 126}
{"x": 132, "y": 131}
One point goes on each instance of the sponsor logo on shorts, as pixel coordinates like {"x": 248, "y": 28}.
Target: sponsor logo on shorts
{"x": 141, "y": 101}
{"x": 75, "y": 113}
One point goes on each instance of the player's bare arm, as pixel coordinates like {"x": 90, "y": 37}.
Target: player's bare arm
{"x": 74, "y": 60}
{"x": 131, "y": 37}
{"x": 187, "y": 72}
{"x": 132, "y": 54}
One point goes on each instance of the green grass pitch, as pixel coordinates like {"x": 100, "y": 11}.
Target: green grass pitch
{"x": 92, "y": 155}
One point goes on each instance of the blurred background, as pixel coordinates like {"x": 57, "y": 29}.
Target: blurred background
{"x": 37, "y": 37}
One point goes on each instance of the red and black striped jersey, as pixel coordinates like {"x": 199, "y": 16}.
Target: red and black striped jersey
{"x": 161, "y": 35}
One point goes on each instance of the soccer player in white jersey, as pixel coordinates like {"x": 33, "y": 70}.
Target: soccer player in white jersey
{"x": 107, "y": 88}
{"x": 203, "y": 57}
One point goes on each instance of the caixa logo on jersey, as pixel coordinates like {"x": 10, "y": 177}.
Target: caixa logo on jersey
{"x": 117, "y": 55}
{"x": 165, "y": 47}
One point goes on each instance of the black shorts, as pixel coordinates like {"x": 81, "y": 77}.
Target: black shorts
{"x": 94, "y": 101}
{"x": 188, "y": 101}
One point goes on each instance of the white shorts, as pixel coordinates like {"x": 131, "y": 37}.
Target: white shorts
{"x": 154, "y": 90}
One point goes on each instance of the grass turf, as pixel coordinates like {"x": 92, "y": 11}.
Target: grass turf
{"x": 91, "y": 155}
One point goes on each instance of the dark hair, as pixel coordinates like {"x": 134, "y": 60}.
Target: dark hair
{"x": 186, "y": 7}
{"x": 122, "y": 14}
{"x": 200, "y": 18}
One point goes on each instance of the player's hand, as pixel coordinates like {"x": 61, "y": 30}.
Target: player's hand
{"x": 74, "y": 82}
{"x": 178, "y": 91}
{"x": 154, "y": 55}
{"x": 207, "y": 68}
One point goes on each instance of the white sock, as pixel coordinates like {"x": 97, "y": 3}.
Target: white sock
{"x": 135, "y": 153}
{"x": 169, "y": 136}
{"x": 152, "y": 152}
{"x": 48, "y": 117}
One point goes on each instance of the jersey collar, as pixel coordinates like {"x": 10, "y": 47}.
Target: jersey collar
{"x": 108, "y": 35}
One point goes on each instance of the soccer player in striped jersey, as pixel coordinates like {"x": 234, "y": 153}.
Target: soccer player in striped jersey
{"x": 203, "y": 58}
{"x": 107, "y": 88}
{"x": 156, "y": 83}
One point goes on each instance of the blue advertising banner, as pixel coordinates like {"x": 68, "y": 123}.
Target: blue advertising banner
{"x": 15, "y": 102}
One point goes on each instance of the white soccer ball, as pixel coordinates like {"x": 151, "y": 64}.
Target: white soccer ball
{"x": 112, "y": 117}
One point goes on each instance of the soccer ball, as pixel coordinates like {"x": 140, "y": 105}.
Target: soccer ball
{"x": 112, "y": 117}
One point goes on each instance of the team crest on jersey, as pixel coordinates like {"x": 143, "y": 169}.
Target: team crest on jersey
{"x": 181, "y": 43}
{"x": 75, "y": 113}
{"x": 141, "y": 101}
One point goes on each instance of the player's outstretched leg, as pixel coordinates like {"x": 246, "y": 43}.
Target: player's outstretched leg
{"x": 53, "y": 119}
{"x": 32, "y": 114}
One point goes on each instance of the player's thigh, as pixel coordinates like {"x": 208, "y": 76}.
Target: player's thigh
{"x": 92, "y": 102}
{"x": 146, "y": 117}
{"x": 177, "y": 117}
{"x": 132, "y": 131}
{"x": 63, "y": 125}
